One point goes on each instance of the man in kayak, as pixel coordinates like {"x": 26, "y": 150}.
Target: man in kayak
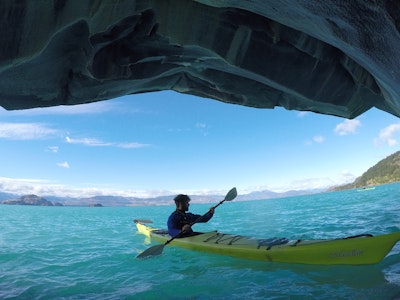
{"x": 180, "y": 220}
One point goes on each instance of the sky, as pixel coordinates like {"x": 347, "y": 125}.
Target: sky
{"x": 163, "y": 143}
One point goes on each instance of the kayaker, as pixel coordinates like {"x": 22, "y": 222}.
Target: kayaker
{"x": 180, "y": 219}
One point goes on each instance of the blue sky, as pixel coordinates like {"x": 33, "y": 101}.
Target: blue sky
{"x": 165, "y": 142}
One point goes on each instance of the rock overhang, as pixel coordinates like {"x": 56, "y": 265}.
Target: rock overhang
{"x": 329, "y": 57}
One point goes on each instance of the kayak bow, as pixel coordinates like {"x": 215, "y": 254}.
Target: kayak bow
{"x": 355, "y": 250}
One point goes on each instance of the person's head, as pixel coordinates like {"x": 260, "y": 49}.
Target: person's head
{"x": 182, "y": 202}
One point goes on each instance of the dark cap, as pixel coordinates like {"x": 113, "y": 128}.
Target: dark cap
{"x": 181, "y": 198}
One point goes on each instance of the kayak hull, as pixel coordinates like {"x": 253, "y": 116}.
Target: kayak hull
{"x": 359, "y": 250}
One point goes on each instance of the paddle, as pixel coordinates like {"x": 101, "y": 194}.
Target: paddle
{"x": 158, "y": 249}
{"x": 142, "y": 221}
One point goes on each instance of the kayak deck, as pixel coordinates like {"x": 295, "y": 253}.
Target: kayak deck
{"x": 357, "y": 250}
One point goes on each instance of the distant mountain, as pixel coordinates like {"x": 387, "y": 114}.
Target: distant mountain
{"x": 30, "y": 200}
{"x": 385, "y": 171}
{"x": 5, "y": 196}
{"x": 111, "y": 200}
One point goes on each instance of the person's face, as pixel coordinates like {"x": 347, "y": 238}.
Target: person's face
{"x": 184, "y": 206}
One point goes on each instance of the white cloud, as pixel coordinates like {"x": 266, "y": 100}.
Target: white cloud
{"x": 347, "y": 127}
{"x": 318, "y": 139}
{"x": 98, "y": 143}
{"x": 202, "y": 127}
{"x": 302, "y": 114}
{"x": 343, "y": 177}
{"x": 86, "y": 141}
{"x": 310, "y": 183}
{"x": 20, "y": 185}
{"x": 26, "y": 131}
{"x": 41, "y": 187}
{"x": 53, "y": 149}
{"x": 64, "y": 164}
{"x": 17, "y": 181}
{"x": 386, "y": 135}
{"x": 131, "y": 145}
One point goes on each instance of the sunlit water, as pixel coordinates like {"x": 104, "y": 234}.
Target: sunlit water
{"x": 90, "y": 253}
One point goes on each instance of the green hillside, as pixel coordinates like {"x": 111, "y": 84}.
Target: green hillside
{"x": 385, "y": 171}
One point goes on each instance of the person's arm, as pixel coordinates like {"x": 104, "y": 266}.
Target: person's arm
{"x": 173, "y": 225}
{"x": 204, "y": 219}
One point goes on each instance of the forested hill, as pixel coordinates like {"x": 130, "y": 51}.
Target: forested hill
{"x": 385, "y": 171}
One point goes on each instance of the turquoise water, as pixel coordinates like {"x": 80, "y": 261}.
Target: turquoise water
{"x": 89, "y": 253}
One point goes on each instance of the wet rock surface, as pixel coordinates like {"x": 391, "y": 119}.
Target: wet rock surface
{"x": 336, "y": 58}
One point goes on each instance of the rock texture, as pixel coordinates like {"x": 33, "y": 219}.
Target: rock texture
{"x": 332, "y": 57}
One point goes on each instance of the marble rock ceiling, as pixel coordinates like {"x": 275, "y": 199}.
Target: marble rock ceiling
{"x": 327, "y": 56}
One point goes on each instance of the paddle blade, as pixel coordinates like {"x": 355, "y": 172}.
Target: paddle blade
{"x": 152, "y": 251}
{"x": 231, "y": 195}
{"x": 142, "y": 221}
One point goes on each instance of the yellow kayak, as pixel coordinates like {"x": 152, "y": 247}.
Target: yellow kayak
{"x": 355, "y": 250}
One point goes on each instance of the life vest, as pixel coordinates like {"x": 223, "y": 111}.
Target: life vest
{"x": 183, "y": 219}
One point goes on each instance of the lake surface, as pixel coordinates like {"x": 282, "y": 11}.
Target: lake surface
{"x": 90, "y": 252}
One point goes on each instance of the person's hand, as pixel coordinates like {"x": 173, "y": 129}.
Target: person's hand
{"x": 186, "y": 227}
{"x": 212, "y": 210}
